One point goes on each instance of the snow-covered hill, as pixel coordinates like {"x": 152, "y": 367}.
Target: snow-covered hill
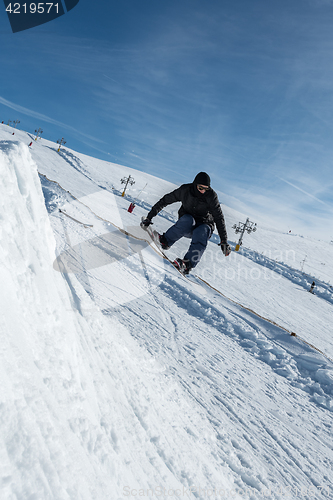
{"x": 121, "y": 379}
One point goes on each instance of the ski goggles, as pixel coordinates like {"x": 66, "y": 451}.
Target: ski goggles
{"x": 203, "y": 188}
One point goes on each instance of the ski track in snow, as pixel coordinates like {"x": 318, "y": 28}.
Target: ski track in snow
{"x": 205, "y": 370}
{"x": 268, "y": 398}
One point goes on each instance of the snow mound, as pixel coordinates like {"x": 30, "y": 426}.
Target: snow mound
{"x": 84, "y": 411}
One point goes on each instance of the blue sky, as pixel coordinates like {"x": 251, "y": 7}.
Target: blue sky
{"x": 240, "y": 89}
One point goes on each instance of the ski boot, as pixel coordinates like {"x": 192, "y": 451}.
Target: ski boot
{"x": 183, "y": 265}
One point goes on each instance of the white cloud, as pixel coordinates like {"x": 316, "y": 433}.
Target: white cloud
{"x": 44, "y": 118}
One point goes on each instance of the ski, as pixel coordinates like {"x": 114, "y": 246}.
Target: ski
{"x": 154, "y": 235}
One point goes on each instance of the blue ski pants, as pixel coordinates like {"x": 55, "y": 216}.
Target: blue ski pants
{"x": 186, "y": 227}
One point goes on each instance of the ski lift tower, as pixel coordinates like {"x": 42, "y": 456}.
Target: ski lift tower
{"x": 126, "y": 181}
{"x": 249, "y": 227}
{"x": 60, "y": 142}
{"x": 39, "y": 133}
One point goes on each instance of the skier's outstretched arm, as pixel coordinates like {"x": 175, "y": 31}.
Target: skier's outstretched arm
{"x": 167, "y": 199}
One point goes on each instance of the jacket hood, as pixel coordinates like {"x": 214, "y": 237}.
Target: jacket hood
{"x": 202, "y": 178}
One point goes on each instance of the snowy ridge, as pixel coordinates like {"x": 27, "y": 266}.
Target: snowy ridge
{"x": 129, "y": 383}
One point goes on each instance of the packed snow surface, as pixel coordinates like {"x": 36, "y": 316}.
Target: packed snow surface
{"x": 122, "y": 379}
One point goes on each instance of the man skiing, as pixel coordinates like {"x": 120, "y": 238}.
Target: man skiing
{"x": 198, "y": 214}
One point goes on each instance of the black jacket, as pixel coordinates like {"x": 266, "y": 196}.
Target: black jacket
{"x": 204, "y": 208}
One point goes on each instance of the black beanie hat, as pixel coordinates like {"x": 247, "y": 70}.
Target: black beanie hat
{"x": 202, "y": 178}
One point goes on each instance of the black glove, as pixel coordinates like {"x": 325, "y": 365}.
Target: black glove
{"x": 145, "y": 223}
{"x": 226, "y": 249}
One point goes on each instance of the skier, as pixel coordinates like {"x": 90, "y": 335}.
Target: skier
{"x": 198, "y": 214}
{"x": 312, "y": 287}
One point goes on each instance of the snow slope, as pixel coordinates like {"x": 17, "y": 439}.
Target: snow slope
{"x": 121, "y": 377}
{"x": 85, "y": 412}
